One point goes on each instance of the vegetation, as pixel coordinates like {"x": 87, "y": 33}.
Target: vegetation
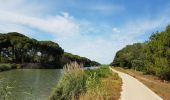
{"x": 131, "y": 56}
{"x": 68, "y": 58}
{"x": 152, "y": 57}
{"x": 102, "y": 84}
{"x": 4, "y": 67}
{"x": 7, "y": 93}
{"x": 72, "y": 83}
{"x": 82, "y": 84}
{"x": 17, "y": 48}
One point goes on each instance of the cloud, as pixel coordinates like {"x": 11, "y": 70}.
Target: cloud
{"x": 140, "y": 27}
{"x": 115, "y": 30}
{"x": 102, "y": 47}
{"x": 98, "y": 42}
{"x": 62, "y": 25}
{"x": 8, "y": 27}
{"x": 25, "y": 7}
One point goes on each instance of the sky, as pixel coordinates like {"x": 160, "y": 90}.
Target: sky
{"x": 96, "y": 29}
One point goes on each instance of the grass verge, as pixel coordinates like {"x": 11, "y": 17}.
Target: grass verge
{"x": 160, "y": 87}
{"x": 91, "y": 84}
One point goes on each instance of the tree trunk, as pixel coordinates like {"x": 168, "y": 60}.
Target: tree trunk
{"x": 13, "y": 52}
{"x": 22, "y": 57}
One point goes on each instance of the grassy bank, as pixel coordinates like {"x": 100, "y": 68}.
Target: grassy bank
{"x": 79, "y": 84}
{"x": 160, "y": 87}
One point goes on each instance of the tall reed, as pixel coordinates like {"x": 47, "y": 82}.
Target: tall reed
{"x": 72, "y": 84}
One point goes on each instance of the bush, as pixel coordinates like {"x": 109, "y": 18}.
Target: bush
{"x": 137, "y": 65}
{"x": 72, "y": 83}
{"x": 4, "y": 67}
{"x": 101, "y": 72}
{"x": 77, "y": 81}
{"x": 163, "y": 73}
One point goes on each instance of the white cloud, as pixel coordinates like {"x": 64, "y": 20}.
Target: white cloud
{"x": 104, "y": 46}
{"x": 115, "y": 30}
{"x": 8, "y": 27}
{"x": 25, "y": 7}
{"x": 58, "y": 25}
{"x": 97, "y": 42}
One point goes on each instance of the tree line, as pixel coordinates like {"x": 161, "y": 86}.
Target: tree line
{"x": 18, "y": 48}
{"x": 68, "y": 57}
{"x": 151, "y": 57}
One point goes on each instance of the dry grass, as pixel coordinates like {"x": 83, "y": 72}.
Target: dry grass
{"x": 92, "y": 84}
{"x": 73, "y": 67}
{"x": 160, "y": 87}
{"x": 71, "y": 84}
{"x": 109, "y": 90}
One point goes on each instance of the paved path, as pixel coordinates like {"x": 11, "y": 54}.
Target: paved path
{"x": 132, "y": 89}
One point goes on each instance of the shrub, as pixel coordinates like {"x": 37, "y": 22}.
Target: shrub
{"x": 72, "y": 83}
{"x": 76, "y": 82}
{"x": 102, "y": 88}
{"x": 4, "y": 67}
{"x": 101, "y": 72}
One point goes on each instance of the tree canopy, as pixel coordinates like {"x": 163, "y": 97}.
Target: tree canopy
{"x": 68, "y": 57}
{"x": 152, "y": 56}
{"x": 18, "y": 48}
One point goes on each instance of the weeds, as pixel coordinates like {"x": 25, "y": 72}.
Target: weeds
{"x": 72, "y": 83}
{"x": 80, "y": 84}
{"x": 7, "y": 91}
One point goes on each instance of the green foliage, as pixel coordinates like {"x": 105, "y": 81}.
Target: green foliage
{"x": 102, "y": 71}
{"x": 68, "y": 57}
{"x": 18, "y": 48}
{"x": 6, "y": 90}
{"x": 4, "y": 67}
{"x": 130, "y": 56}
{"x": 71, "y": 84}
{"x": 69, "y": 87}
{"x": 152, "y": 57}
{"x": 76, "y": 82}
{"x": 7, "y": 93}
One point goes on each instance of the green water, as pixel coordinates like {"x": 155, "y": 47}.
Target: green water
{"x": 30, "y": 84}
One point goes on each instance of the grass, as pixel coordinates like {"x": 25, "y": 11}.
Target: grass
{"x": 108, "y": 88}
{"x": 7, "y": 90}
{"x": 79, "y": 84}
{"x": 71, "y": 85}
{"x": 160, "y": 87}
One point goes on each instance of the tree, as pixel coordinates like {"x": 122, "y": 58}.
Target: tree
{"x": 152, "y": 56}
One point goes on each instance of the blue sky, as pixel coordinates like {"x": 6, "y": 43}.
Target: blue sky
{"x": 96, "y": 29}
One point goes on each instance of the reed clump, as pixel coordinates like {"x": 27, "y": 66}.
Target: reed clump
{"x": 80, "y": 84}
{"x": 72, "y": 84}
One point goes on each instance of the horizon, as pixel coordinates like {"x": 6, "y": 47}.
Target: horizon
{"x": 95, "y": 29}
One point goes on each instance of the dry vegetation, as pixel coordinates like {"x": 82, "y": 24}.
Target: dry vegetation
{"x": 90, "y": 84}
{"x": 160, "y": 87}
{"x": 109, "y": 89}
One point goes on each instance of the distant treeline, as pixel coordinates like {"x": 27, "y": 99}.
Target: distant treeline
{"x": 19, "y": 49}
{"x": 68, "y": 57}
{"x": 151, "y": 57}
